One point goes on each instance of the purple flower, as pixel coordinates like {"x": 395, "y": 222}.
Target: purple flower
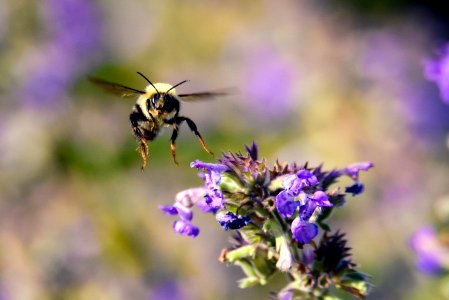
{"x": 437, "y": 70}
{"x": 209, "y": 167}
{"x": 355, "y": 189}
{"x": 293, "y": 184}
{"x": 286, "y": 204}
{"x": 184, "y": 227}
{"x": 307, "y": 178}
{"x": 191, "y": 196}
{"x": 229, "y": 220}
{"x": 267, "y": 73}
{"x": 184, "y": 212}
{"x": 353, "y": 169}
{"x": 212, "y": 178}
{"x": 432, "y": 256}
{"x": 321, "y": 199}
{"x": 167, "y": 290}
{"x": 303, "y": 231}
{"x": 75, "y": 36}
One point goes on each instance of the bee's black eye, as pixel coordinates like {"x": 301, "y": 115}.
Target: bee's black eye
{"x": 169, "y": 103}
{"x": 154, "y": 99}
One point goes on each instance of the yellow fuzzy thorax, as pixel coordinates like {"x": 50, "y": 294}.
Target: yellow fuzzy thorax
{"x": 161, "y": 87}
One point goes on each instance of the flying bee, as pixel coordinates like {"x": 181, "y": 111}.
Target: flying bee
{"x": 157, "y": 106}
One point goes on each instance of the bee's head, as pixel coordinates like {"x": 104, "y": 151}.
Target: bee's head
{"x": 163, "y": 101}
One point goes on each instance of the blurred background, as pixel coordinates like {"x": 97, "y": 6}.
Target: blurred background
{"x": 320, "y": 81}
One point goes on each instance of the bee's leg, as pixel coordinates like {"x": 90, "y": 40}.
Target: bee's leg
{"x": 135, "y": 118}
{"x": 173, "y": 138}
{"x": 192, "y": 127}
{"x": 143, "y": 150}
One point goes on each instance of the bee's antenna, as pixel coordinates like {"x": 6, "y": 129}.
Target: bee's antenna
{"x": 176, "y": 85}
{"x": 148, "y": 81}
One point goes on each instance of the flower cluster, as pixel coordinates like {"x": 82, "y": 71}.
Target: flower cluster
{"x": 278, "y": 219}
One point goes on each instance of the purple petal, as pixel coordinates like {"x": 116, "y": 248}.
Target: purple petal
{"x": 355, "y": 189}
{"x": 307, "y": 210}
{"x": 302, "y": 231}
{"x": 185, "y": 228}
{"x": 169, "y": 209}
{"x": 285, "y": 204}
{"x": 295, "y": 188}
{"x": 210, "y": 167}
{"x": 321, "y": 198}
{"x": 177, "y": 209}
{"x": 190, "y": 196}
{"x": 288, "y": 181}
{"x": 204, "y": 205}
{"x": 353, "y": 169}
{"x": 184, "y": 213}
{"x": 307, "y": 177}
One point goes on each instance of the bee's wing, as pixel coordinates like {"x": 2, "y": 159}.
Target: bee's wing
{"x": 207, "y": 95}
{"x": 115, "y": 88}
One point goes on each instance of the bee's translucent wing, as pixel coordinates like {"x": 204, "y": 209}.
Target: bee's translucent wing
{"x": 115, "y": 88}
{"x": 207, "y": 95}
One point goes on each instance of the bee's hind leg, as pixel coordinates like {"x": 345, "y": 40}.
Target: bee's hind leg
{"x": 143, "y": 150}
{"x": 173, "y": 138}
{"x": 193, "y": 128}
{"x": 137, "y": 118}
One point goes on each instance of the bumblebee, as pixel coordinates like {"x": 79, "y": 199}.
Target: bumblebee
{"x": 156, "y": 107}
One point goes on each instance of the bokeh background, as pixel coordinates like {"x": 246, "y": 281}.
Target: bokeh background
{"x": 320, "y": 81}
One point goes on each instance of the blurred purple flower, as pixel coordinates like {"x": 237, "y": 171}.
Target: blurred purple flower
{"x": 432, "y": 256}
{"x": 269, "y": 83}
{"x": 355, "y": 189}
{"x": 353, "y": 169}
{"x": 167, "y": 290}
{"x": 75, "y": 35}
{"x": 437, "y": 70}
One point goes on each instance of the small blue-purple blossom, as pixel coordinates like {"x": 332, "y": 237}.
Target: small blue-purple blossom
{"x": 229, "y": 220}
{"x": 302, "y": 231}
{"x": 184, "y": 227}
{"x": 286, "y": 204}
{"x": 184, "y": 212}
{"x": 321, "y": 199}
{"x": 354, "y": 169}
{"x": 212, "y": 177}
{"x": 355, "y": 189}
{"x": 437, "y": 70}
{"x": 185, "y": 200}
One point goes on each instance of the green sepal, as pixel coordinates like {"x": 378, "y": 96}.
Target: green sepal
{"x": 231, "y": 184}
{"x": 285, "y": 260}
{"x": 241, "y": 252}
{"x": 355, "y": 283}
